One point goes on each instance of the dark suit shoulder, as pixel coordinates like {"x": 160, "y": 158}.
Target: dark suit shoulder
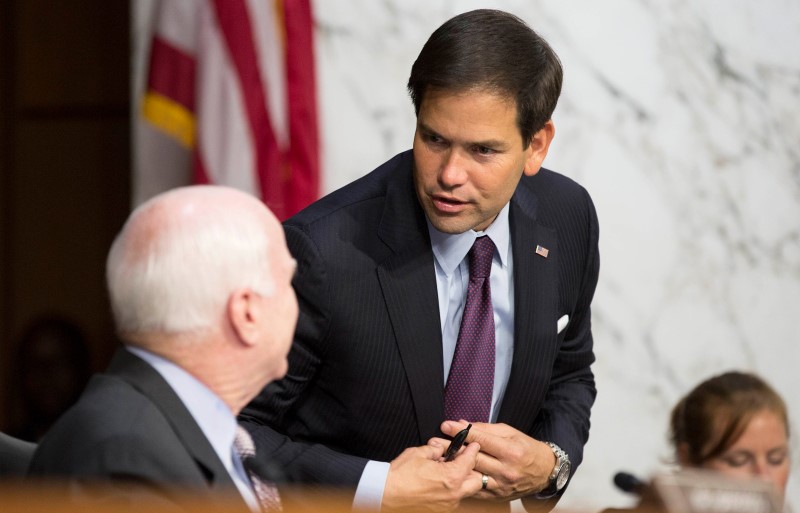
{"x": 552, "y": 183}
{"x": 108, "y": 406}
{"x": 558, "y": 199}
{"x": 370, "y": 188}
{"x": 113, "y": 430}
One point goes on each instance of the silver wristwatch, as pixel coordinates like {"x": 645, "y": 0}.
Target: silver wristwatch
{"x": 560, "y": 474}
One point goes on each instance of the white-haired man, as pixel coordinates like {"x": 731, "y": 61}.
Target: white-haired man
{"x": 200, "y": 285}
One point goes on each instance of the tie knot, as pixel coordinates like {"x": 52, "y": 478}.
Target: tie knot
{"x": 480, "y": 257}
{"x": 243, "y": 443}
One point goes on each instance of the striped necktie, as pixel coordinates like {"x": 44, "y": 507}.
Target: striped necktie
{"x": 266, "y": 492}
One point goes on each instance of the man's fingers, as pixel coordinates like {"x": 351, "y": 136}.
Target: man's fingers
{"x": 470, "y": 453}
{"x": 468, "y": 457}
{"x": 451, "y": 427}
{"x": 429, "y": 452}
{"x": 474, "y": 483}
{"x": 501, "y": 430}
{"x": 488, "y": 464}
{"x": 489, "y": 436}
{"x": 441, "y": 442}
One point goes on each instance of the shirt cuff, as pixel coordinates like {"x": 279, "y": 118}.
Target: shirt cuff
{"x": 369, "y": 492}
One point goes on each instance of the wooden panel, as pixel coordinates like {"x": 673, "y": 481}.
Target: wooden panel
{"x": 5, "y": 149}
{"x": 64, "y": 152}
{"x": 69, "y": 201}
{"x": 71, "y": 54}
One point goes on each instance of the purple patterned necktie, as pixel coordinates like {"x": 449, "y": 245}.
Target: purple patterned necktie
{"x": 266, "y": 492}
{"x": 468, "y": 393}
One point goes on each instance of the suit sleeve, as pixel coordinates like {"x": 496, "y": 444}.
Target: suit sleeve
{"x": 265, "y": 416}
{"x": 564, "y": 415}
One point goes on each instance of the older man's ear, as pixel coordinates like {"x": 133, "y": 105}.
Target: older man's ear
{"x": 245, "y": 310}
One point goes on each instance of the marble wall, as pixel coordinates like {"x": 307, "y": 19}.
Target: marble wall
{"x": 682, "y": 119}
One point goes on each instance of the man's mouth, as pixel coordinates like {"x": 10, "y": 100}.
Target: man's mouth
{"x": 446, "y": 204}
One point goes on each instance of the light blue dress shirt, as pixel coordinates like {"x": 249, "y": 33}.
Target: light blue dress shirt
{"x": 212, "y": 415}
{"x": 452, "y": 279}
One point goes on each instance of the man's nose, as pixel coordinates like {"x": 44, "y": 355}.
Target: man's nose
{"x": 453, "y": 171}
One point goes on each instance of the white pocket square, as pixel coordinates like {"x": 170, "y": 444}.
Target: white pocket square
{"x": 562, "y": 323}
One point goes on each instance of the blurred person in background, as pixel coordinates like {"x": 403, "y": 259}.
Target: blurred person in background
{"x": 736, "y": 424}
{"x": 733, "y": 424}
{"x": 52, "y": 367}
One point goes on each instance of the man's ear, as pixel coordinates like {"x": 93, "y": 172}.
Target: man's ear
{"x": 537, "y": 150}
{"x": 242, "y": 311}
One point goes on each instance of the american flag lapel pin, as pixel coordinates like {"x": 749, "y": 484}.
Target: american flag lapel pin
{"x": 542, "y": 251}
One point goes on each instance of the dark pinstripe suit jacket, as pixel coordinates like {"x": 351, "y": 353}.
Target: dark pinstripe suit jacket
{"x": 365, "y": 371}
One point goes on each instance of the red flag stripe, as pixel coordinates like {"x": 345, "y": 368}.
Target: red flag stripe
{"x": 199, "y": 173}
{"x": 303, "y": 186}
{"x": 172, "y": 73}
{"x": 237, "y": 32}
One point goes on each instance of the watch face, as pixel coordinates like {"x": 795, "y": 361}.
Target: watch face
{"x": 563, "y": 475}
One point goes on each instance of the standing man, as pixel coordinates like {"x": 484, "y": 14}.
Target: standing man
{"x": 450, "y": 285}
{"x": 200, "y": 286}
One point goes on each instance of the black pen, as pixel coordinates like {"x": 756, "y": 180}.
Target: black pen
{"x": 456, "y": 444}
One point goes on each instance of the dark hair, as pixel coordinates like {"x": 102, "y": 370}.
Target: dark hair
{"x": 493, "y": 51}
{"x": 710, "y": 418}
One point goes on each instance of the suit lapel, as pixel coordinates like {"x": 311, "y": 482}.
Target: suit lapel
{"x": 408, "y": 281}
{"x": 535, "y": 305}
{"x": 148, "y": 381}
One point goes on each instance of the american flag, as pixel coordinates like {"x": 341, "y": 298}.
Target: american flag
{"x": 233, "y": 82}
{"x": 542, "y": 251}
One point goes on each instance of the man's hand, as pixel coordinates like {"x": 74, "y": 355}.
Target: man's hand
{"x": 517, "y": 465}
{"x": 418, "y": 481}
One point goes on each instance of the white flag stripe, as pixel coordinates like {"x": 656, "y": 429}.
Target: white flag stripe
{"x": 176, "y": 23}
{"x": 270, "y": 49}
{"x": 225, "y": 137}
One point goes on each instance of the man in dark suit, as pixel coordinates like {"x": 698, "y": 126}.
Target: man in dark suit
{"x": 384, "y": 282}
{"x": 200, "y": 285}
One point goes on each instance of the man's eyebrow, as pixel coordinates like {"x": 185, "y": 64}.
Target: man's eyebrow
{"x": 425, "y": 128}
{"x": 489, "y": 143}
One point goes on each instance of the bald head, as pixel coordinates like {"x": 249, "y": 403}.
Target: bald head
{"x": 181, "y": 254}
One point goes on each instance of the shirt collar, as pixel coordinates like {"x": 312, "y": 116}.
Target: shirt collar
{"x": 212, "y": 415}
{"x": 449, "y": 249}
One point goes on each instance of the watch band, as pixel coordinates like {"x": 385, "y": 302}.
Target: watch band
{"x": 560, "y": 474}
